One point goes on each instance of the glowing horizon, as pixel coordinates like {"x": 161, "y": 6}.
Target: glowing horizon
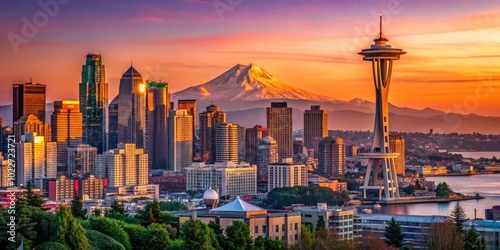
{"x": 451, "y": 63}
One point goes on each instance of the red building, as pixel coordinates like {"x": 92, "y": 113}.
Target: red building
{"x": 170, "y": 184}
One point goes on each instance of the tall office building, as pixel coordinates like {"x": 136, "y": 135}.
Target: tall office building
{"x": 66, "y": 121}
{"x": 180, "y": 136}
{"x": 252, "y": 138}
{"x": 35, "y": 160}
{"x": 158, "y": 110}
{"x": 397, "y": 145}
{"x": 279, "y": 122}
{"x": 113, "y": 124}
{"x": 28, "y": 99}
{"x": 31, "y": 124}
{"x": 81, "y": 159}
{"x": 190, "y": 106}
{"x": 132, "y": 109}
{"x": 4, "y": 172}
{"x": 209, "y": 120}
{"x": 315, "y": 127}
{"x": 124, "y": 166}
{"x": 226, "y": 143}
{"x": 286, "y": 174}
{"x": 332, "y": 157}
{"x": 94, "y": 102}
{"x": 4, "y": 136}
{"x": 241, "y": 143}
{"x": 267, "y": 153}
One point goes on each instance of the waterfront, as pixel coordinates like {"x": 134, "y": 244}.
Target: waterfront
{"x": 478, "y": 154}
{"x": 486, "y": 185}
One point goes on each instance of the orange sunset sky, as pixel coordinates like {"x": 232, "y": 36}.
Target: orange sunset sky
{"x": 453, "y": 46}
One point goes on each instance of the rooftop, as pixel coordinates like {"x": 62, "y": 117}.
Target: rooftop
{"x": 238, "y": 205}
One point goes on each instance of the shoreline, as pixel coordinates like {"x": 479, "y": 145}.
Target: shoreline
{"x": 460, "y": 174}
{"x": 423, "y": 200}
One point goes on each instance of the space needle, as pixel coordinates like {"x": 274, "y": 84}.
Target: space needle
{"x": 380, "y": 159}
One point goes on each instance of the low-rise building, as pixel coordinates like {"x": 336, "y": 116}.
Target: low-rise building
{"x": 225, "y": 177}
{"x": 344, "y": 221}
{"x": 286, "y": 174}
{"x": 283, "y": 226}
{"x": 493, "y": 213}
{"x": 152, "y": 191}
{"x": 429, "y": 170}
{"x": 489, "y": 231}
{"x": 334, "y": 185}
{"x": 416, "y": 228}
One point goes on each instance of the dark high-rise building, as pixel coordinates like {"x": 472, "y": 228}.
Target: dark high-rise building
{"x": 190, "y": 106}
{"x": 94, "y": 102}
{"x": 158, "y": 110}
{"x": 66, "y": 123}
{"x": 332, "y": 157}
{"x": 252, "y": 138}
{"x": 28, "y": 99}
{"x": 209, "y": 120}
{"x": 132, "y": 109}
{"x": 279, "y": 122}
{"x": 315, "y": 127}
{"x": 113, "y": 124}
{"x": 267, "y": 153}
{"x": 298, "y": 147}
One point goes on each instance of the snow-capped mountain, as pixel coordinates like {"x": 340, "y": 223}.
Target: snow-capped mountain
{"x": 247, "y": 83}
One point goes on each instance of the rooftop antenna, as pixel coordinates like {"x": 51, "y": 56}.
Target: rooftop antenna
{"x": 380, "y": 34}
{"x": 161, "y": 78}
{"x": 31, "y": 80}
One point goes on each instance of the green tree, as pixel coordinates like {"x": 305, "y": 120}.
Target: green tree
{"x": 262, "y": 243}
{"x": 157, "y": 237}
{"x": 97, "y": 212}
{"x": 43, "y": 222}
{"x": 458, "y": 215}
{"x": 155, "y": 209}
{"x": 177, "y": 244}
{"x": 116, "y": 208}
{"x": 238, "y": 236}
{"x": 51, "y": 246}
{"x": 136, "y": 234}
{"x": 99, "y": 240}
{"x": 219, "y": 234}
{"x": 306, "y": 241}
{"x": 172, "y": 206}
{"x": 443, "y": 190}
{"x": 197, "y": 235}
{"x": 393, "y": 234}
{"x": 77, "y": 207}
{"x": 68, "y": 231}
{"x": 472, "y": 240}
{"x": 24, "y": 225}
{"x": 111, "y": 228}
{"x": 410, "y": 189}
{"x": 33, "y": 199}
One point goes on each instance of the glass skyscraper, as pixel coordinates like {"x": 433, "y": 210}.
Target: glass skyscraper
{"x": 132, "y": 109}
{"x": 93, "y": 102}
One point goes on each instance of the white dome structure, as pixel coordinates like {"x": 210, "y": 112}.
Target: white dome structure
{"x": 211, "y": 198}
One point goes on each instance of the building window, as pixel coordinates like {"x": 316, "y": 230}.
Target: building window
{"x": 256, "y": 230}
{"x": 283, "y": 228}
{"x": 296, "y": 226}
{"x": 264, "y": 229}
{"x": 277, "y": 228}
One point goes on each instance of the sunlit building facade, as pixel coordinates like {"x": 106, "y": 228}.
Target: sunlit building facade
{"x": 279, "y": 122}
{"x": 209, "y": 121}
{"x": 28, "y": 99}
{"x": 66, "y": 122}
{"x": 315, "y": 127}
{"x": 180, "y": 144}
{"x": 158, "y": 111}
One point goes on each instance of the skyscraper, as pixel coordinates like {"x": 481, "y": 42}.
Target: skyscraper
{"x": 279, "y": 122}
{"x": 332, "y": 157}
{"x": 241, "y": 143}
{"x": 31, "y": 124}
{"x": 381, "y": 160}
{"x": 81, "y": 159}
{"x": 209, "y": 120}
{"x": 132, "y": 109}
{"x": 94, "y": 102}
{"x": 124, "y": 166}
{"x": 28, "y": 99}
{"x": 180, "y": 135}
{"x": 190, "y": 106}
{"x": 35, "y": 160}
{"x": 226, "y": 143}
{"x": 66, "y": 121}
{"x": 267, "y": 153}
{"x": 397, "y": 145}
{"x": 113, "y": 124}
{"x": 315, "y": 127}
{"x": 158, "y": 110}
{"x": 252, "y": 138}
{"x": 4, "y": 136}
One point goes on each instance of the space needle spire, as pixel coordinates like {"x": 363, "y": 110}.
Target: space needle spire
{"x": 381, "y": 160}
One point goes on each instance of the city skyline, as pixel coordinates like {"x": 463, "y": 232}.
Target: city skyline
{"x": 298, "y": 42}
